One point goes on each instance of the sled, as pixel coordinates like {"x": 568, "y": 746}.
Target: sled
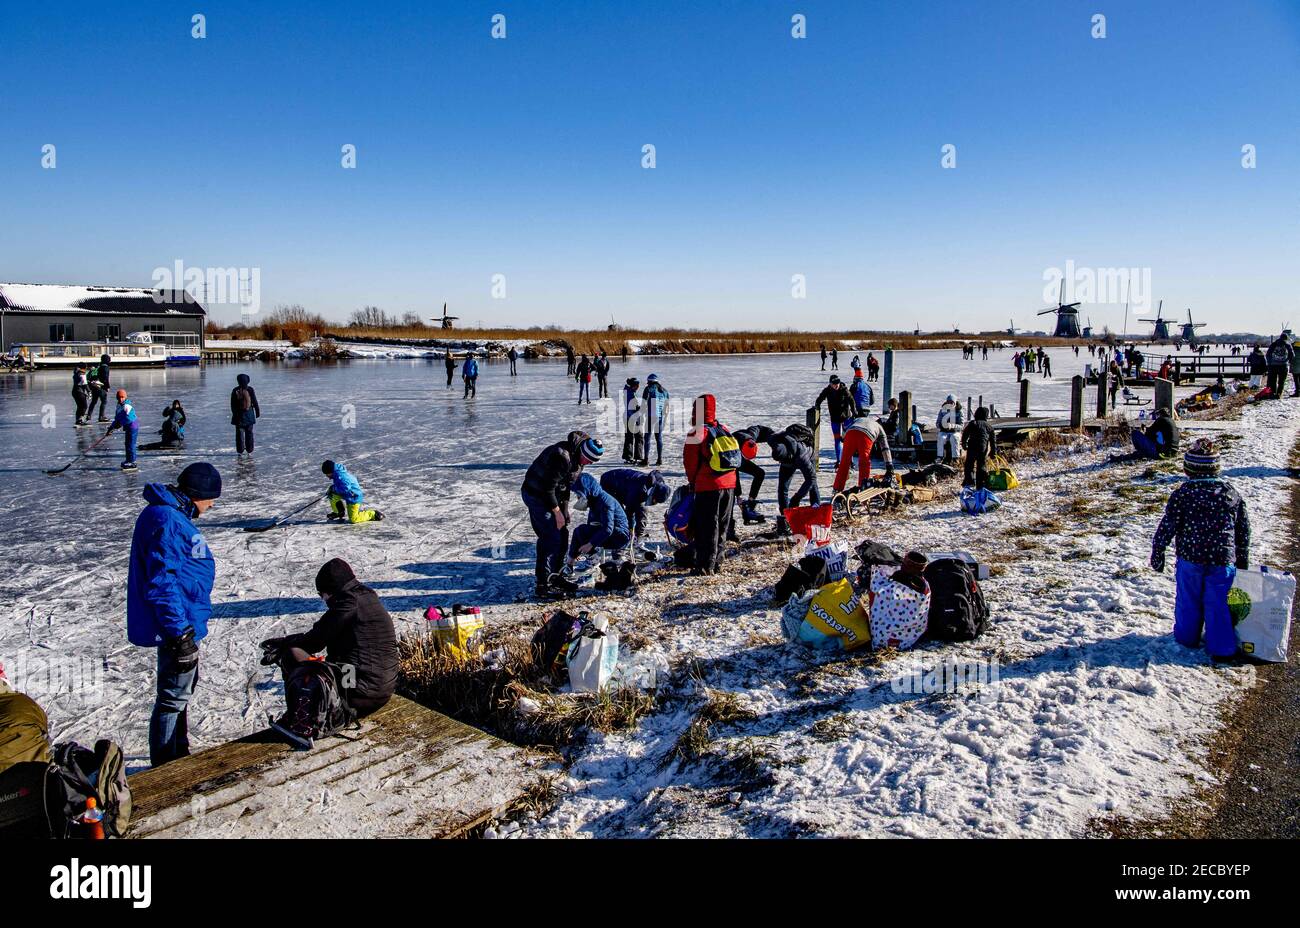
{"x": 852, "y": 503}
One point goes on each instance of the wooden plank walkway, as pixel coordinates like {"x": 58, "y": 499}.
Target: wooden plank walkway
{"x": 408, "y": 772}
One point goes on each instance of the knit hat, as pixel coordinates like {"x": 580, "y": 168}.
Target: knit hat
{"x": 835, "y": 378}
{"x": 592, "y": 449}
{"x": 653, "y": 378}
{"x": 200, "y": 480}
{"x": 333, "y": 576}
{"x": 1201, "y": 459}
{"x": 327, "y": 468}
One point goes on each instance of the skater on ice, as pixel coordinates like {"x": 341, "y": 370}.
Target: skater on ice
{"x": 126, "y": 420}
{"x": 244, "y": 413}
{"x": 841, "y": 406}
{"x": 654, "y": 405}
{"x": 345, "y": 496}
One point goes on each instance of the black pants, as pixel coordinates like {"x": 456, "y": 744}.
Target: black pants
{"x": 1276, "y": 380}
{"x": 98, "y": 397}
{"x": 450, "y": 372}
{"x": 752, "y": 470}
{"x": 633, "y": 445}
{"x": 977, "y": 462}
{"x": 243, "y": 439}
{"x": 604, "y": 386}
{"x": 710, "y": 520}
{"x": 552, "y": 542}
{"x": 513, "y": 372}
{"x": 79, "y": 397}
{"x": 471, "y": 386}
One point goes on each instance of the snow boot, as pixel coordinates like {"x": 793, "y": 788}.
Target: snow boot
{"x": 750, "y": 514}
{"x": 563, "y": 585}
{"x": 130, "y": 465}
{"x": 379, "y": 516}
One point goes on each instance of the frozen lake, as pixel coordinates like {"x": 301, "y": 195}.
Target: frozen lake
{"x": 444, "y": 470}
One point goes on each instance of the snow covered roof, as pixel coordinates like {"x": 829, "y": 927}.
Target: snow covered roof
{"x": 62, "y": 298}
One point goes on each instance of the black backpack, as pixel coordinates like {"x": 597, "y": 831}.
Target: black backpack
{"x": 801, "y": 433}
{"x": 313, "y": 697}
{"x": 551, "y": 642}
{"x": 811, "y": 573}
{"x": 77, "y": 773}
{"x": 958, "y": 611}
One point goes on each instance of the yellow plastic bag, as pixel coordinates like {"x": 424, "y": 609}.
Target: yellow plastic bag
{"x": 1001, "y": 476}
{"x": 837, "y": 612}
{"x": 457, "y": 634}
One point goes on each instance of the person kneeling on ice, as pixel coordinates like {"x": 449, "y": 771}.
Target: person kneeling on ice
{"x": 980, "y": 442}
{"x": 1207, "y": 520}
{"x": 346, "y": 497}
{"x": 126, "y": 420}
{"x": 635, "y": 491}
{"x": 169, "y": 598}
{"x": 358, "y": 674}
{"x": 606, "y": 527}
{"x": 172, "y": 431}
{"x": 862, "y": 436}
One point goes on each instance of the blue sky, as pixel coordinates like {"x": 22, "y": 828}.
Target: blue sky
{"x": 775, "y": 156}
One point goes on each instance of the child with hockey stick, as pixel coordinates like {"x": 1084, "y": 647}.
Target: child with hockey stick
{"x": 345, "y": 496}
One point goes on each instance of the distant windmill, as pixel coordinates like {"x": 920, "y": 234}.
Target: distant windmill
{"x": 1190, "y": 327}
{"x": 1161, "y": 333}
{"x": 1087, "y": 329}
{"x": 613, "y": 326}
{"x": 1067, "y": 316}
{"x": 445, "y": 319}
{"x": 1011, "y": 329}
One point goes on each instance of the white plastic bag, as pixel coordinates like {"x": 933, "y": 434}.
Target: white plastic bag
{"x": 836, "y": 556}
{"x": 1260, "y": 603}
{"x": 593, "y": 655}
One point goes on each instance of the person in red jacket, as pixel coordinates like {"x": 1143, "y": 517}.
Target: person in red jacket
{"x": 715, "y": 490}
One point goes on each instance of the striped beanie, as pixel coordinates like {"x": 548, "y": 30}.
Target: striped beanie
{"x": 1201, "y": 459}
{"x": 592, "y": 449}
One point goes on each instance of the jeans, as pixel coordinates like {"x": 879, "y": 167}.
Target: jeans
{"x": 584, "y": 389}
{"x": 838, "y": 429}
{"x": 809, "y": 488}
{"x": 597, "y": 537}
{"x": 98, "y": 397}
{"x": 659, "y": 447}
{"x": 243, "y": 439}
{"x": 1202, "y": 600}
{"x": 513, "y": 372}
{"x": 169, "y": 725}
{"x": 551, "y": 541}
{"x": 131, "y": 433}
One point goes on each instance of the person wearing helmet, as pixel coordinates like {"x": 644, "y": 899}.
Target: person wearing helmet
{"x": 949, "y": 422}
{"x": 635, "y": 491}
{"x": 546, "y": 490}
{"x": 345, "y": 496}
{"x": 654, "y": 411}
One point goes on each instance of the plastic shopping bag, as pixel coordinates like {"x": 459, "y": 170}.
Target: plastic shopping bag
{"x": 812, "y": 523}
{"x": 1260, "y": 604}
{"x": 593, "y": 655}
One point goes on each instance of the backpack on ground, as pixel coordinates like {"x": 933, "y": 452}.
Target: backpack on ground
{"x": 313, "y": 696}
{"x": 958, "y": 611}
{"x": 677, "y": 520}
{"x": 802, "y": 434}
{"x": 810, "y": 573}
{"x": 724, "y": 451}
{"x": 551, "y": 641}
{"x": 77, "y": 773}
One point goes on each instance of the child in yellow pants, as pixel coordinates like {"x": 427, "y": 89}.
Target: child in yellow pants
{"x": 346, "y": 497}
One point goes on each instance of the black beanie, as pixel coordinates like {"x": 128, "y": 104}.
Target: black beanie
{"x": 200, "y": 480}
{"x": 327, "y": 468}
{"x": 333, "y": 576}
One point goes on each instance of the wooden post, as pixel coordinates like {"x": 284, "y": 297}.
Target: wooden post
{"x": 905, "y": 416}
{"x": 1103, "y": 385}
{"x": 970, "y": 410}
{"x": 888, "y": 390}
{"x": 813, "y": 419}
{"x": 1024, "y": 398}
{"x": 1076, "y": 401}
{"x": 1164, "y": 395}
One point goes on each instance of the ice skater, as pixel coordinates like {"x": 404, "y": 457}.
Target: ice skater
{"x": 654, "y": 411}
{"x": 244, "y": 413}
{"x": 469, "y": 374}
{"x": 450, "y": 363}
{"x": 546, "y": 490}
{"x": 129, "y": 423}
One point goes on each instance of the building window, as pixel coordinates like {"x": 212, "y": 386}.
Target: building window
{"x": 109, "y": 330}
{"x": 61, "y": 332}
{"x": 155, "y": 328}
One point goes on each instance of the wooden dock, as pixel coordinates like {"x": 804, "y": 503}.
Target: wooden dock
{"x": 407, "y": 772}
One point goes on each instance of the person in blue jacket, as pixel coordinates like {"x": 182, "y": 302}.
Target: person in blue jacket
{"x": 169, "y": 598}
{"x": 469, "y": 374}
{"x": 635, "y": 491}
{"x": 654, "y": 412}
{"x": 126, "y": 420}
{"x": 606, "y": 525}
{"x": 346, "y": 497}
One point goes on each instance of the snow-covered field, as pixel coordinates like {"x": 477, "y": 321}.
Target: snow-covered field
{"x": 1096, "y": 709}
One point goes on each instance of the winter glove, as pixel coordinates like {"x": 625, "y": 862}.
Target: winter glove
{"x": 183, "y": 650}
{"x": 1158, "y": 561}
{"x": 271, "y": 651}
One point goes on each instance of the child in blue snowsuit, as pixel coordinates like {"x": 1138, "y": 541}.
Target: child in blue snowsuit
{"x": 606, "y": 525}
{"x": 635, "y": 491}
{"x": 346, "y": 497}
{"x": 1207, "y": 520}
{"x": 126, "y": 420}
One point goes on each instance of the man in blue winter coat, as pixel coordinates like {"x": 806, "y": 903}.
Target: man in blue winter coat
{"x": 126, "y": 420}
{"x": 635, "y": 491}
{"x": 169, "y": 598}
{"x": 469, "y": 374}
{"x": 345, "y": 496}
{"x": 606, "y": 525}
{"x": 1207, "y": 520}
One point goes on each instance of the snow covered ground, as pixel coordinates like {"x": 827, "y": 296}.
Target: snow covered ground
{"x": 1096, "y": 708}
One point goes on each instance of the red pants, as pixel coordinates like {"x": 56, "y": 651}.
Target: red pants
{"x": 856, "y": 442}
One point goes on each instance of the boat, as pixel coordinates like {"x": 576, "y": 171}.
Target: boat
{"x": 44, "y": 355}
{"x": 182, "y": 347}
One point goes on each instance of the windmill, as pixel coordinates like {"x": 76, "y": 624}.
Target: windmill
{"x": 1161, "y": 333}
{"x": 1087, "y": 329}
{"x": 1067, "y": 316}
{"x": 1189, "y": 329}
{"x": 1011, "y": 329}
{"x": 445, "y": 319}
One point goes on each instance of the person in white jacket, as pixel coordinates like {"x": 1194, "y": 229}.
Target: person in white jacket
{"x": 949, "y": 422}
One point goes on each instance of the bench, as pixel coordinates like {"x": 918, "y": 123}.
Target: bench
{"x": 406, "y": 772}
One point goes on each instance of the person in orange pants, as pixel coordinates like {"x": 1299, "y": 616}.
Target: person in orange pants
{"x": 864, "y": 434}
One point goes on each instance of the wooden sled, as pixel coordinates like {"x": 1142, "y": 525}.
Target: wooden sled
{"x": 853, "y": 503}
